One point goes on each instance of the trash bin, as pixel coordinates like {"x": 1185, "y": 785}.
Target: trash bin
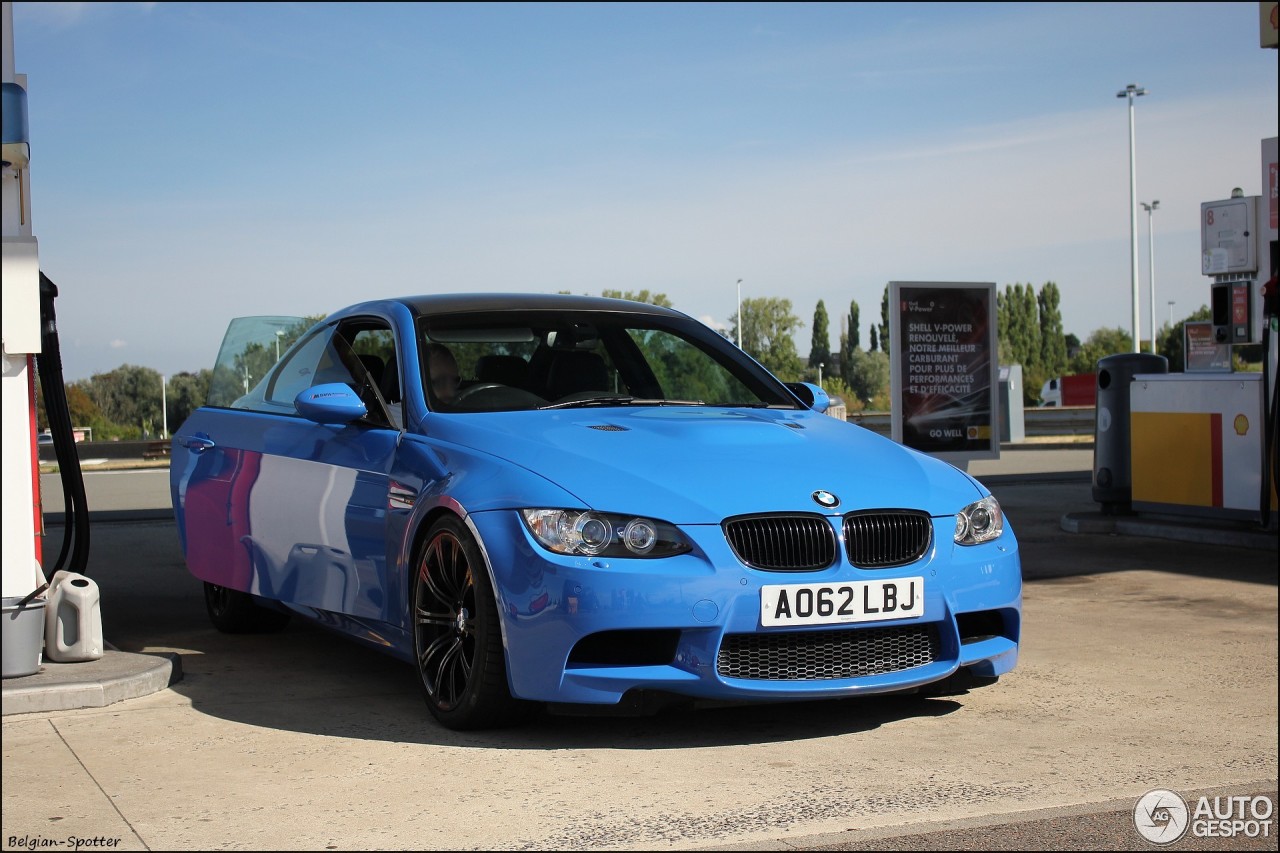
{"x": 23, "y": 636}
{"x": 1112, "y": 477}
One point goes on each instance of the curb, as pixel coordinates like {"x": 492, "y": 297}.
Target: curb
{"x": 114, "y": 677}
{"x": 1201, "y": 533}
{"x": 113, "y": 516}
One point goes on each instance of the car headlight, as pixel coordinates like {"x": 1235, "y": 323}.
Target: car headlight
{"x": 979, "y": 522}
{"x": 591, "y": 534}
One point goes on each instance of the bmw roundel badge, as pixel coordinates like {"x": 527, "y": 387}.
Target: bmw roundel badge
{"x": 824, "y": 498}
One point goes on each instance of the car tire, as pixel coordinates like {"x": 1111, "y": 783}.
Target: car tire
{"x": 235, "y": 612}
{"x": 457, "y": 638}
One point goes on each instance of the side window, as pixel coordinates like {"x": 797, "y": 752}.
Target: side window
{"x": 250, "y": 351}
{"x": 374, "y": 347}
{"x": 355, "y": 353}
{"x": 299, "y": 369}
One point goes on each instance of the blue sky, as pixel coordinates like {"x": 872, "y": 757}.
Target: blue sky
{"x": 195, "y": 162}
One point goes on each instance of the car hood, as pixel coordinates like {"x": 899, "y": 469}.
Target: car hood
{"x": 700, "y": 465}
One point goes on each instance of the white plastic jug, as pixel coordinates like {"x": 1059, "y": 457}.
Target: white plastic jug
{"x": 73, "y": 619}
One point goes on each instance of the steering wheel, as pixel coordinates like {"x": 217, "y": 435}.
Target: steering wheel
{"x": 472, "y": 390}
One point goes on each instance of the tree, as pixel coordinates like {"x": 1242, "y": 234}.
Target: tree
{"x": 874, "y": 343}
{"x": 659, "y": 299}
{"x": 820, "y": 346}
{"x": 128, "y": 396}
{"x": 869, "y": 376}
{"x": 81, "y": 406}
{"x": 1029, "y": 314}
{"x": 767, "y": 328}
{"x": 1053, "y": 344}
{"x": 1073, "y": 343}
{"x": 84, "y": 412}
{"x": 1100, "y": 344}
{"x": 884, "y": 322}
{"x": 1018, "y": 326}
{"x": 1030, "y": 334}
{"x": 850, "y": 339}
{"x": 187, "y": 392}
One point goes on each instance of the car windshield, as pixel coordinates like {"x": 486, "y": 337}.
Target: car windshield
{"x": 507, "y": 361}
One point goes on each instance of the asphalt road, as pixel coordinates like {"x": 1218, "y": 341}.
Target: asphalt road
{"x": 1145, "y": 664}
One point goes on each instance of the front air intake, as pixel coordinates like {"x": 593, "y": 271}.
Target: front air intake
{"x": 842, "y": 653}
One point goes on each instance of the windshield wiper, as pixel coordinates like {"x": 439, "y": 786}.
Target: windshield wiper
{"x": 620, "y": 401}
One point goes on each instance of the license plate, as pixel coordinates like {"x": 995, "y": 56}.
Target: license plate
{"x": 841, "y": 603}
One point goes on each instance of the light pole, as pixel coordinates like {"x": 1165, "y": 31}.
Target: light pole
{"x": 1151, "y": 265}
{"x": 739, "y": 313}
{"x": 164, "y": 410}
{"x": 1171, "y": 304}
{"x": 820, "y": 366}
{"x": 279, "y": 335}
{"x": 1132, "y": 91}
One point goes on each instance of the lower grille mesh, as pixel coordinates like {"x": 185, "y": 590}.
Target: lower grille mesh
{"x": 844, "y": 653}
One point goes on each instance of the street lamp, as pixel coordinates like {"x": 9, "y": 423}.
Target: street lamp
{"x": 280, "y": 334}
{"x": 1151, "y": 266}
{"x": 164, "y": 410}
{"x": 739, "y": 313}
{"x": 820, "y": 366}
{"x": 1171, "y": 304}
{"x": 1132, "y": 91}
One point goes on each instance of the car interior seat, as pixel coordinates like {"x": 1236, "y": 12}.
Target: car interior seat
{"x": 389, "y": 385}
{"x": 574, "y": 371}
{"x": 373, "y": 366}
{"x": 503, "y": 369}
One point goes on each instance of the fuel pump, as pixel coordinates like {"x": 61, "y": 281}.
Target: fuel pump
{"x": 30, "y": 343}
{"x": 1239, "y": 251}
{"x": 22, "y": 520}
{"x": 1229, "y": 253}
{"x": 1203, "y": 442}
{"x": 1270, "y": 231}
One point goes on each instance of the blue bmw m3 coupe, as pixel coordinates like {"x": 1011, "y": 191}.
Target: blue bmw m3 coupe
{"x": 543, "y": 500}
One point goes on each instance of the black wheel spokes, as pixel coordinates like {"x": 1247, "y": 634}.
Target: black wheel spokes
{"x": 444, "y": 613}
{"x": 451, "y": 673}
{"x": 442, "y": 572}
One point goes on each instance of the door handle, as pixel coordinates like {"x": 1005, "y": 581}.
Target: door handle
{"x": 197, "y": 443}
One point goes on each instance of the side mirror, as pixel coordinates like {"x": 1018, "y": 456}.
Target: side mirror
{"x": 332, "y": 403}
{"x": 811, "y": 395}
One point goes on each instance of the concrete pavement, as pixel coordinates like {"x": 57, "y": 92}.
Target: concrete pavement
{"x": 144, "y": 496}
{"x": 1147, "y": 663}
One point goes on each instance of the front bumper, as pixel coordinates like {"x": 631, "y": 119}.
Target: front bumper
{"x": 589, "y": 630}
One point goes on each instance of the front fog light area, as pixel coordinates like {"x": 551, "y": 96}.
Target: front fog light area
{"x": 979, "y": 522}
{"x": 591, "y": 534}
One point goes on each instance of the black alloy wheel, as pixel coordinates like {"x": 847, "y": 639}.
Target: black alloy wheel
{"x": 235, "y": 612}
{"x": 457, "y": 640}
